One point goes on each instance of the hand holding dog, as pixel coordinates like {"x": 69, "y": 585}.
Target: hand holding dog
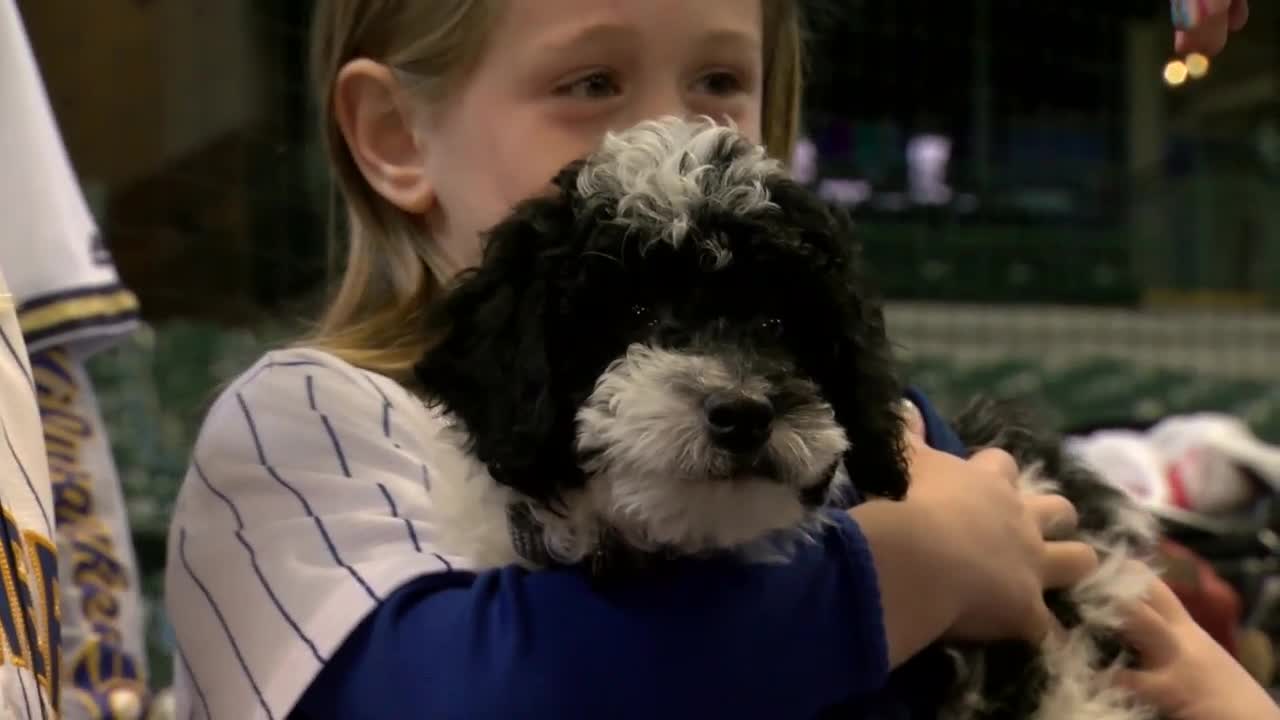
{"x": 1001, "y": 556}
{"x": 1183, "y": 671}
{"x": 965, "y": 556}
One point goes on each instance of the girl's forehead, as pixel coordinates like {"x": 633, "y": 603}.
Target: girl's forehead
{"x": 572, "y": 25}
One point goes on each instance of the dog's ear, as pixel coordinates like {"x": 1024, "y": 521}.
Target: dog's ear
{"x": 566, "y": 181}
{"x": 866, "y": 395}
{"x": 859, "y": 375}
{"x": 869, "y": 404}
{"x": 489, "y": 364}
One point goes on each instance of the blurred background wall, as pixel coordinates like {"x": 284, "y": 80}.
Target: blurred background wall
{"x": 1054, "y": 203}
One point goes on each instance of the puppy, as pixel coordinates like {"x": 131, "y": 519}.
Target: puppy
{"x": 677, "y": 352}
{"x": 672, "y": 354}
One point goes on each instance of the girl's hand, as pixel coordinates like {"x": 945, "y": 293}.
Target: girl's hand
{"x": 1183, "y": 672}
{"x": 964, "y": 557}
{"x": 1203, "y": 26}
{"x": 997, "y": 543}
{"x": 1008, "y": 560}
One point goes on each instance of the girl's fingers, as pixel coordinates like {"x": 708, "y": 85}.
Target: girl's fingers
{"x": 1140, "y": 683}
{"x": 1055, "y": 515}
{"x": 1149, "y": 634}
{"x": 1067, "y": 563}
{"x": 997, "y": 461}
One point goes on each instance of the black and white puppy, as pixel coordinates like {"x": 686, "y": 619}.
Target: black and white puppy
{"x": 676, "y": 352}
{"x": 672, "y": 354}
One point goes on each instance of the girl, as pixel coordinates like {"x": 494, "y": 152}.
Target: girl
{"x": 302, "y": 581}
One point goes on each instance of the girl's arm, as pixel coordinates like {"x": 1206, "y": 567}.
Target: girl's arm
{"x": 303, "y": 575}
{"x": 302, "y": 562}
{"x": 709, "y": 638}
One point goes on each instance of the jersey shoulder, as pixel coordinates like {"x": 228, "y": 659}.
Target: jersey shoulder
{"x": 277, "y": 400}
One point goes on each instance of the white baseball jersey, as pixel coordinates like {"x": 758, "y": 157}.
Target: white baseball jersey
{"x": 28, "y": 558}
{"x": 67, "y": 289}
{"x": 304, "y": 506}
{"x": 70, "y": 303}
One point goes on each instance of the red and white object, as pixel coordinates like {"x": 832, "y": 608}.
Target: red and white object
{"x": 1207, "y": 463}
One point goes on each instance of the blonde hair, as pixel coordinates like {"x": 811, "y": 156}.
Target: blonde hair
{"x": 375, "y": 318}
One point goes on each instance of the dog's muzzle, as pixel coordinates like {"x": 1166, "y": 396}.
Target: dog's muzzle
{"x": 738, "y": 424}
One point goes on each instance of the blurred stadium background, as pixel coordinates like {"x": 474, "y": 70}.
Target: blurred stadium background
{"x": 1055, "y": 205}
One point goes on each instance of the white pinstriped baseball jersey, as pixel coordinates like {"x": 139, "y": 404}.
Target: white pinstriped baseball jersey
{"x": 28, "y": 558}
{"x": 70, "y": 303}
{"x": 304, "y": 506}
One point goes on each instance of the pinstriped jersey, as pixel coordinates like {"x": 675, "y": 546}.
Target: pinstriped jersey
{"x": 305, "y": 505}
{"x": 29, "y": 611}
{"x": 70, "y": 303}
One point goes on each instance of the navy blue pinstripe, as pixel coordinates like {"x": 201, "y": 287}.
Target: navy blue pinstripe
{"x": 386, "y": 432}
{"x": 346, "y": 469}
{"x": 302, "y": 363}
{"x": 30, "y": 486}
{"x": 386, "y": 408}
{"x": 253, "y": 560}
{"x": 226, "y": 630}
{"x": 191, "y": 673}
{"x": 426, "y": 483}
{"x": 23, "y": 684}
{"x": 306, "y": 506}
{"x": 16, "y": 358}
{"x": 287, "y": 363}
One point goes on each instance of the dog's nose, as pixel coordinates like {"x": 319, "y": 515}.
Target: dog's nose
{"x": 736, "y": 423}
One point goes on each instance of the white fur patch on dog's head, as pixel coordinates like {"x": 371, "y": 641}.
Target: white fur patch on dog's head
{"x": 658, "y": 173}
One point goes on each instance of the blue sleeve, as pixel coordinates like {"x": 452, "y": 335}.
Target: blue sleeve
{"x": 938, "y": 433}
{"x": 707, "y": 638}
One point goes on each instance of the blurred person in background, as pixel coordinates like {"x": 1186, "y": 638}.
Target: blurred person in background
{"x": 70, "y": 304}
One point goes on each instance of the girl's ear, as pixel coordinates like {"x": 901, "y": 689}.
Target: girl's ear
{"x": 378, "y": 128}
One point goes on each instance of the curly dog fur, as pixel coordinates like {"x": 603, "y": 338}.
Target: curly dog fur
{"x": 677, "y": 352}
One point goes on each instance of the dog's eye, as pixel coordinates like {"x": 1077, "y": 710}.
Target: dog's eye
{"x": 770, "y": 328}
{"x": 643, "y": 316}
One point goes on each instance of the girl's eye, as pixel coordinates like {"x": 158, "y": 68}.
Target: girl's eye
{"x": 591, "y": 87}
{"x": 720, "y": 84}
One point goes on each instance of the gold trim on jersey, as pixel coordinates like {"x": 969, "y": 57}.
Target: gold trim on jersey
{"x": 45, "y": 569}
{"x": 111, "y": 302}
{"x": 17, "y": 650}
{"x": 28, "y": 604}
